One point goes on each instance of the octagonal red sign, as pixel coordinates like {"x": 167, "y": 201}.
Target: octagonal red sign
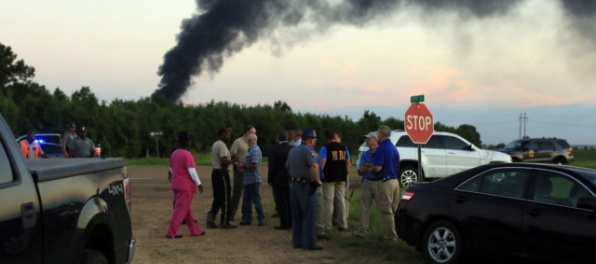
{"x": 419, "y": 123}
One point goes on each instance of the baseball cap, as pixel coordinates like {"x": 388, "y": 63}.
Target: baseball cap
{"x": 371, "y": 134}
{"x": 251, "y": 137}
{"x": 309, "y": 133}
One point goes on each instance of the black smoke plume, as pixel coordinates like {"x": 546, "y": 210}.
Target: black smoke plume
{"x": 226, "y": 27}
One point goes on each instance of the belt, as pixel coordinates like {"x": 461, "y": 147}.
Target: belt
{"x": 302, "y": 180}
{"x": 373, "y": 179}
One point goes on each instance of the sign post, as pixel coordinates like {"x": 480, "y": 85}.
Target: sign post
{"x": 419, "y": 125}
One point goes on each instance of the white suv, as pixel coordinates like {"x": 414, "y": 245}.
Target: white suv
{"x": 444, "y": 154}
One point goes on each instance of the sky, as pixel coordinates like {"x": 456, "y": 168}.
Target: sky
{"x": 487, "y": 69}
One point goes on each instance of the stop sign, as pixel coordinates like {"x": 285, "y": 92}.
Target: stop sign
{"x": 419, "y": 123}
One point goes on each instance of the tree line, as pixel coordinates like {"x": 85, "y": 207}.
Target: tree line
{"x": 127, "y": 128}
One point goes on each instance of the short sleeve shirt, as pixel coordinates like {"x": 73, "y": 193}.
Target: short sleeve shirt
{"x": 254, "y": 156}
{"x": 68, "y": 137}
{"x": 180, "y": 161}
{"x": 300, "y": 159}
{"x": 82, "y": 147}
{"x": 388, "y": 158}
{"x": 367, "y": 157}
{"x": 240, "y": 148}
{"x": 218, "y": 150}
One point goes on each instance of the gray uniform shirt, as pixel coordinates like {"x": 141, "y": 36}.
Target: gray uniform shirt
{"x": 299, "y": 161}
{"x": 82, "y": 147}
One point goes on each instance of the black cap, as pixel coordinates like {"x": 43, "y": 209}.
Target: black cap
{"x": 82, "y": 128}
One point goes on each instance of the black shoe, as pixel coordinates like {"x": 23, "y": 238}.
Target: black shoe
{"x": 211, "y": 225}
{"x": 276, "y": 215}
{"x": 243, "y": 223}
{"x": 177, "y": 236}
{"x": 323, "y": 237}
{"x": 281, "y": 228}
{"x": 261, "y": 224}
{"x": 315, "y": 248}
{"x": 341, "y": 229}
{"x": 228, "y": 226}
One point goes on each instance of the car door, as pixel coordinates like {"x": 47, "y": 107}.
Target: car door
{"x": 544, "y": 151}
{"x": 460, "y": 156}
{"x": 435, "y": 158}
{"x": 490, "y": 207}
{"x": 557, "y": 228}
{"x": 19, "y": 210}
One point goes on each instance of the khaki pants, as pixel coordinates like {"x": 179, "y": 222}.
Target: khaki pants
{"x": 368, "y": 193}
{"x": 387, "y": 202}
{"x": 334, "y": 193}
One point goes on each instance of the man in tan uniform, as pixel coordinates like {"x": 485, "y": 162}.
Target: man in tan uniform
{"x": 239, "y": 152}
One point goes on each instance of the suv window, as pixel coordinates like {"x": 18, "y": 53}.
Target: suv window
{"x": 454, "y": 143}
{"x": 434, "y": 142}
{"x": 563, "y": 143}
{"x": 404, "y": 141}
{"x": 546, "y": 145}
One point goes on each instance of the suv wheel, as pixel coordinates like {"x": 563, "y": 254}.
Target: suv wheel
{"x": 559, "y": 160}
{"x": 408, "y": 175}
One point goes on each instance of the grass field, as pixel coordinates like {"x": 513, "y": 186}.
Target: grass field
{"x": 583, "y": 158}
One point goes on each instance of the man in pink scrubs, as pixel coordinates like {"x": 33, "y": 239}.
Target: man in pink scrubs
{"x": 185, "y": 182}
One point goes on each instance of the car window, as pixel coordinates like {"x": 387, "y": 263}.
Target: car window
{"x": 502, "y": 182}
{"x": 434, "y": 142}
{"x": 404, "y": 141}
{"x": 6, "y": 174}
{"x": 531, "y": 145}
{"x": 454, "y": 143}
{"x": 546, "y": 145}
{"x": 554, "y": 188}
{"x": 563, "y": 143}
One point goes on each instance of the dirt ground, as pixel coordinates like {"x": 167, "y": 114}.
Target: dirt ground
{"x": 151, "y": 212}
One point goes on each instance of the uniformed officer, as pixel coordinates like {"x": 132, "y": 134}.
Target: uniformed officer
{"x": 304, "y": 168}
{"x": 81, "y": 146}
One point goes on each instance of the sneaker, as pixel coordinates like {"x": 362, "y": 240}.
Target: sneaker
{"x": 244, "y": 223}
{"x": 261, "y": 224}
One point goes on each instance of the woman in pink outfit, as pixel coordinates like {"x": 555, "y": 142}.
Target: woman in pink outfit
{"x": 185, "y": 182}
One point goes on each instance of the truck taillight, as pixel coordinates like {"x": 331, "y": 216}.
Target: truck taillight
{"x": 570, "y": 150}
{"x": 127, "y": 190}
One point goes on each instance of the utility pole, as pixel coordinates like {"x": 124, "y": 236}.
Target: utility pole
{"x": 156, "y": 135}
{"x": 523, "y": 119}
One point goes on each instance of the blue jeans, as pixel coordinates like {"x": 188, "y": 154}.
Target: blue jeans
{"x": 302, "y": 206}
{"x": 251, "y": 196}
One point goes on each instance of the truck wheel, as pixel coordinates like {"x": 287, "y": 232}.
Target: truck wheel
{"x": 94, "y": 256}
{"x": 442, "y": 243}
{"x": 408, "y": 175}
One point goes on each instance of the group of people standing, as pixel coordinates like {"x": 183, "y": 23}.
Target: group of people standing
{"x": 296, "y": 171}
{"x": 73, "y": 145}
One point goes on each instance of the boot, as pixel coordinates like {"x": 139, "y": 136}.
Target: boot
{"x": 211, "y": 221}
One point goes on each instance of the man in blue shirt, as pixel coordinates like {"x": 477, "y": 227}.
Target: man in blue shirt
{"x": 370, "y": 183}
{"x": 252, "y": 180}
{"x": 385, "y": 168}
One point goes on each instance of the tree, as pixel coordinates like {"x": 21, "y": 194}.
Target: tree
{"x": 12, "y": 70}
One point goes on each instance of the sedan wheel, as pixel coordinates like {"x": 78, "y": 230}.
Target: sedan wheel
{"x": 442, "y": 243}
{"x": 407, "y": 176}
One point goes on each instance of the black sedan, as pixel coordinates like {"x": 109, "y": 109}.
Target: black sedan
{"x": 540, "y": 212}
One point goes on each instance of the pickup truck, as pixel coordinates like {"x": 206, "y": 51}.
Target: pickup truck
{"x": 63, "y": 210}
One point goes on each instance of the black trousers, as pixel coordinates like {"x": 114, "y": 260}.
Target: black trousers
{"x": 220, "y": 180}
{"x": 281, "y": 195}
